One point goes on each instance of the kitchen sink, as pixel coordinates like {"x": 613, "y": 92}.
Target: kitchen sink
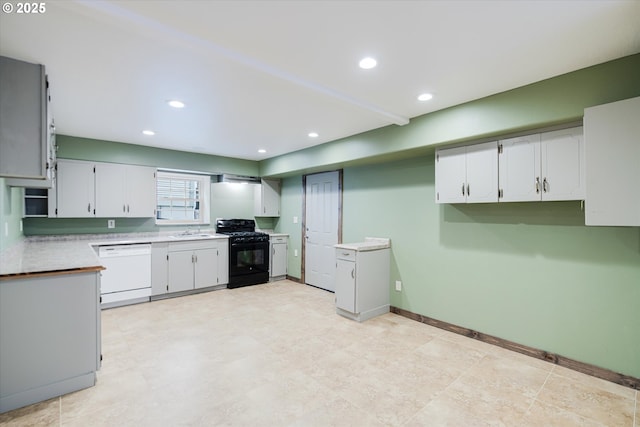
{"x": 186, "y": 236}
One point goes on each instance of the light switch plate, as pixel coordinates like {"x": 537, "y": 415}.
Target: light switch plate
{"x": 398, "y": 285}
{"x": 295, "y": 219}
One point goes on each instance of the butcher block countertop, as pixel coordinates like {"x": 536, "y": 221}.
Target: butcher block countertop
{"x": 48, "y": 255}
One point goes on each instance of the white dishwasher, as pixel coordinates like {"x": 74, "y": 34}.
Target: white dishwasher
{"x": 127, "y": 278}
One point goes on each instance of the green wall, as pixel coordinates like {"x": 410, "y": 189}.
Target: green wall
{"x": 532, "y": 273}
{"x": 11, "y": 207}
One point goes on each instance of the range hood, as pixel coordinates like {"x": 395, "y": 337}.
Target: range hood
{"x": 239, "y": 179}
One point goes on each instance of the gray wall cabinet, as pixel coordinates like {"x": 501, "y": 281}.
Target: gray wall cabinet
{"x": 26, "y": 134}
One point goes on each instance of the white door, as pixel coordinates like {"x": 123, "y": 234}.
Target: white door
{"x": 563, "y": 165}
{"x": 321, "y": 228}
{"x": 519, "y": 169}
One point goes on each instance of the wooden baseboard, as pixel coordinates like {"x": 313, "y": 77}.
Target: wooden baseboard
{"x": 294, "y": 279}
{"x": 585, "y": 368}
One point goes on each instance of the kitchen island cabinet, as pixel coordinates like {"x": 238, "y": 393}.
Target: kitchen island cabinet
{"x": 49, "y": 335}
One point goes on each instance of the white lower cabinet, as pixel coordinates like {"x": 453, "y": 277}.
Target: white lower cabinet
{"x": 159, "y": 268}
{"x": 362, "y": 280}
{"x": 278, "y": 257}
{"x": 189, "y": 265}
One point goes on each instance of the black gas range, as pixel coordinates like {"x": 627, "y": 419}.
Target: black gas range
{"x": 248, "y": 252}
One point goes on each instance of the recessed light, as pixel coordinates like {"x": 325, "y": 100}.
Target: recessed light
{"x": 262, "y": 151}
{"x": 313, "y": 134}
{"x": 148, "y": 132}
{"x": 176, "y": 104}
{"x": 368, "y": 63}
{"x": 425, "y": 97}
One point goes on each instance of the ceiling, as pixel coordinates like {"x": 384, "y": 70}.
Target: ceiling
{"x": 264, "y": 74}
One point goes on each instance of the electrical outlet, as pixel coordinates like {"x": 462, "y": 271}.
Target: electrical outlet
{"x": 295, "y": 219}
{"x": 6, "y": 229}
{"x": 111, "y": 223}
{"x": 21, "y": 226}
{"x": 398, "y": 285}
{"x": 295, "y": 252}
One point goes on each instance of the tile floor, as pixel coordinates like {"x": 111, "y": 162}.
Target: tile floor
{"x": 278, "y": 355}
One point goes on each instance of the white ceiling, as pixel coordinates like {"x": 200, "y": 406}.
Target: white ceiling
{"x": 263, "y": 74}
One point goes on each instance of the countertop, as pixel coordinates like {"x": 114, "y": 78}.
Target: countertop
{"x": 369, "y": 244}
{"x": 52, "y": 254}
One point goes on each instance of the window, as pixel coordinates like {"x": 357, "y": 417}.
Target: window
{"x": 182, "y": 198}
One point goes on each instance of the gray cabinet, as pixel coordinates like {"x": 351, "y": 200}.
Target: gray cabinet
{"x": 159, "y": 268}
{"x": 191, "y": 265}
{"x": 49, "y": 336}
{"x": 267, "y": 198}
{"x": 26, "y": 135}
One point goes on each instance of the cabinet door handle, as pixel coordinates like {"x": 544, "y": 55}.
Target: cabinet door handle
{"x": 463, "y": 188}
{"x": 537, "y": 184}
{"x": 545, "y": 184}
{"x": 124, "y": 208}
{"x": 127, "y": 208}
{"x": 353, "y": 273}
{"x": 468, "y": 192}
{"x": 89, "y": 208}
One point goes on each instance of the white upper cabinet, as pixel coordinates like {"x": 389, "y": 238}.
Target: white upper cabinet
{"x": 467, "y": 174}
{"x": 140, "y": 191}
{"x": 94, "y": 189}
{"x": 75, "y": 190}
{"x": 547, "y": 166}
{"x": 563, "y": 173}
{"x": 519, "y": 169}
{"x": 612, "y": 152}
{"x": 267, "y": 198}
{"x": 110, "y": 187}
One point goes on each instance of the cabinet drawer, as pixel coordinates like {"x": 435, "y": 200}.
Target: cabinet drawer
{"x": 278, "y": 240}
{"x": 346, "y": 254}
{"x": 191, "y": 246}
